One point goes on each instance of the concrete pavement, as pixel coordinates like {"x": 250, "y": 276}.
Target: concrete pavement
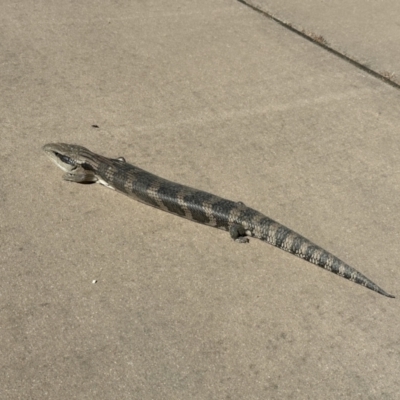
{"x": 216, "y": 96}
{"x": 367, "y": 32}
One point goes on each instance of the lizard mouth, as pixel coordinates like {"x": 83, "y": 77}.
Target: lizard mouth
{"x": 64, "y": 162}
{"x": 65, "y": 159}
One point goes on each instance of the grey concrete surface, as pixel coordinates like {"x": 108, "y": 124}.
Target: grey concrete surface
{"x": 216, "y": 96}
{"x": 366, "y": 31}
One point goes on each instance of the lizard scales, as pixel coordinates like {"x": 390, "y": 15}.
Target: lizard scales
{"x": 83, "y": 166}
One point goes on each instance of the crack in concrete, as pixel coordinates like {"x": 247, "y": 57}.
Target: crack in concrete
{"x": 319, "y": 40}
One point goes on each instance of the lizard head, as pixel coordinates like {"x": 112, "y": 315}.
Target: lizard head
{"x": 76, "y": 161}
{"x": 65, "y": 156}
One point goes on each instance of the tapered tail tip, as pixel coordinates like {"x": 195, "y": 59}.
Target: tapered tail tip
{"x": 381, "y": 291}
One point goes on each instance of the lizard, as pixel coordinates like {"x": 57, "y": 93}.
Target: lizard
{"x": 83, "y": 166}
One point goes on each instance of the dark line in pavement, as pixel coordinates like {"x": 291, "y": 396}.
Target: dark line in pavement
{"x": 320, "y": 41}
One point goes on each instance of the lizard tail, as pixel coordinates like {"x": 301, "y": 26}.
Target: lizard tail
{"x": 278, "y": 235}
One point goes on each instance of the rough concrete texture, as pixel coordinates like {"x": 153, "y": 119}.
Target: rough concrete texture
{"x": 216, "y": 96}
{"x": 366, "y": 31}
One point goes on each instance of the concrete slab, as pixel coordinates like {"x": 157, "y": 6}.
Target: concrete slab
{"x": 105, "y": 298}
{"x": 366, "y": 31}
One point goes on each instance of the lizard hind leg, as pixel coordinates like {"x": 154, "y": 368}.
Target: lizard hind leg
{"x": 238, "y": 233}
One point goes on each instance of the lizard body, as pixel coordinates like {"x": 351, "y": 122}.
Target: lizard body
{"x": 83, "y": 166}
